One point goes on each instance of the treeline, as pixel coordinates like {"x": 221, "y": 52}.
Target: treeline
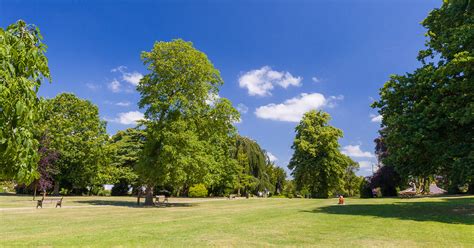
{"x": 186, "y": 144}
{"x": 427, "y": 132}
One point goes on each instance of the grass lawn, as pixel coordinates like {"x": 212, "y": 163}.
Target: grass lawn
{"x": 116, "y": 221}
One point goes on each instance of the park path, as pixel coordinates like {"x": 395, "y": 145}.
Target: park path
{"x": 180, "y": 200}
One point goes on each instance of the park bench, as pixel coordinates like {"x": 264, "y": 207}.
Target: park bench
{"x": 232, "y": 196}
{"x": 407, "y": 194}
{"x": 59, "y": 201}
{"x": 163, "y": 197}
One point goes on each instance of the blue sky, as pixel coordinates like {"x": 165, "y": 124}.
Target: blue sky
{"x": 277, "y": 58}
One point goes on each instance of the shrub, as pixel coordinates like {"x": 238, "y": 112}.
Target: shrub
{"x": 198, "y": 190}
{"x": 64, "y": 191}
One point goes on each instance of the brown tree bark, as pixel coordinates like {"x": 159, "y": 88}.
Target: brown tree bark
{"x": 149, "y": 196}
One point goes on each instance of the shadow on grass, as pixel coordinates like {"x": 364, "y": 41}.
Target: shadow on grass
{"x": 452, "y": 211}
{"x": 131, "y": 204}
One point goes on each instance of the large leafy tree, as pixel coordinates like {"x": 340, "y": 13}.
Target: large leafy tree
{"x": 188, "y": 128}
{"x": 428, "y": 115}
{"x": 78, "y": 135}
{"x": 23, "y": 66}
{"x": 317, "y": 163}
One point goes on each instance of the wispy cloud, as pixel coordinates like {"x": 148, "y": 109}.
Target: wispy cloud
{"x": 375, "y": 118}
{"x": 355, "y": 152}
{"x": 93, "y": 87}
{"x": 242, "y": 108}
{"x": 293, "y": 109}
{"x": 114, "y": 86}
{"x": 316, "y": 79}
{"x": 261, "y": 81}
{"x": 129, "y": 77}
{"x": 123, "y": 104}
{"x": 128, "y": 118}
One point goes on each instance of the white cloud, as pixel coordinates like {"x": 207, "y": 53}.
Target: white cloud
{"x": 365, "y": 165}
{"x": 261, "y": 81}
{"x": 123, "y": 104}
{"x": 93, "y": 87}
{"x": 128, "y": 118}
{"x": 272, "y": 157}
{"x": 133, "y": 77}
{"x": 114, "y": 86}
{"x": 129, "y": 77}
{"x": 242, "y": 108}
{"x": 375, "y": 118}
{"x": 316, "y": 80}
{"x": 292, "y": 109}
{"x": 356, "y": 152}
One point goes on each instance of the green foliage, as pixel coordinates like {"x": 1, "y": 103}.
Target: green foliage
{"x": 188, "y": 130}
{"x": 7, "y": 186}
{"x": 428, "y": 115}
{"x": 198, "y": 190}
{"x": 23, "y": 66}
{"x": 120, "y": 188}
{"x": 78, "y": 135}
{"x": 255, "y": 171}
{"x": 289, "y": 190}
{"x": 365, "y": 189}
{"x": 123, "y": 152}
{"x": 317, "y": 162}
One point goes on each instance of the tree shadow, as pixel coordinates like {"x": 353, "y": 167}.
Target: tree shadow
{"x": 452, "y": 211}
{"x": 131, "y": 204}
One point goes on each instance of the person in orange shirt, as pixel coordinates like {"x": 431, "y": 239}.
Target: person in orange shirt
{"x": 341, "y": 200}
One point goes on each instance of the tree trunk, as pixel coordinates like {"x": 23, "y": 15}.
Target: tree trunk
{"x": 34, "y": 193}
{"x": 56, "y": 188}
{"x": 149, "y": 196}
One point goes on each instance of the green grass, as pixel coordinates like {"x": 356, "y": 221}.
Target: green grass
{"x": 117, "y": 222}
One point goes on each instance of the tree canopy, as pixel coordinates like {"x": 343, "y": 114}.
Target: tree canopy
{"x": 188, "y": 128}
{"x": 76, "y": 132}
{"x": 23, "y": 66}
{"x": 428, "y": 115}
{"x": 317, "y": 163}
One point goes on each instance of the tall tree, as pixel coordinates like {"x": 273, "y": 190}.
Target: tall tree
{"x": 317, "y": 163}
{"x": 188, "y": 128}
{"x": 428, "y": 115}
{"x": 23, "y": 66}
{"x": 78, "y": 135}
{"x": 255, "y": 167}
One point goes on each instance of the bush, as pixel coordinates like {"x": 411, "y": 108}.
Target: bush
{"x": 64, "y": 191}
{"x": 198, "y": 190}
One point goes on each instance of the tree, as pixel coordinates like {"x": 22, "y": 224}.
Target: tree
{"x": 255, "y": 168}
{"x": 188, "y": 128}
{"x": 317, "y": 164}
{"x": 124, "y": 149}
{"x": 78, "y": 135}
{"x": 351, "y": 180}
{"x": 23, "y": 66}
{"x": 428, "y": 115}
{"x": 278, "y": 178}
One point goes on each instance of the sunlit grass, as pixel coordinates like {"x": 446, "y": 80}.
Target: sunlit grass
{"x": 116, "y": 221}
